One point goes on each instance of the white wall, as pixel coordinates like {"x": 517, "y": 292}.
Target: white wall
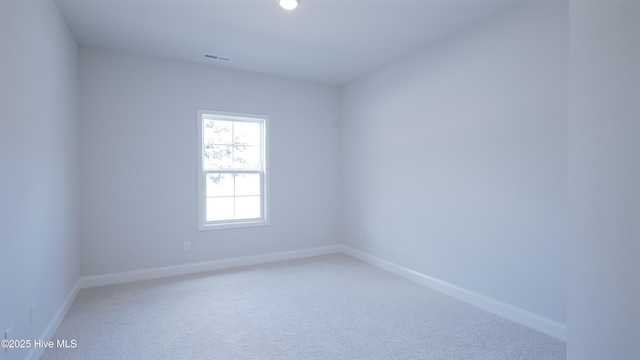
{"x": 455, "y": 160}
{"x": 39, "y": 176}
{"x": 4, "y": 241}
{"x": 139, "y": 152}
{"x": 604, "y": 181}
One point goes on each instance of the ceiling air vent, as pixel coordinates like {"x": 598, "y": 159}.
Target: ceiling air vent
{"x": 218, "y": 57}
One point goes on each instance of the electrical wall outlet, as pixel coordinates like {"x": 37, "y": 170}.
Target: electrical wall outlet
{"x": 187, "y": 245}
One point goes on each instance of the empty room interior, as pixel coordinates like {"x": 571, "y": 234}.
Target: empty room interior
{"x": 346, "y": 179}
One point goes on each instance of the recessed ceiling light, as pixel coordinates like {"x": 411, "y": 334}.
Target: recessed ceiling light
{"x": 289, "y": 4}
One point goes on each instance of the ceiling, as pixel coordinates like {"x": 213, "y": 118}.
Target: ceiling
{"x": 328, "y": 41}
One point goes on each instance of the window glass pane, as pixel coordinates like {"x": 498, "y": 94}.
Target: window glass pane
{"x": 246, "y": 157}
{"x": 218, "y": 157}
{"x": 247, "y": 133}
{"x": 219, "y": 208}
{"x": 247, "y": 184}
{"x": 247, "y": 207}
{"x": 217, "y": 132}
{"x": 220, "y": 184}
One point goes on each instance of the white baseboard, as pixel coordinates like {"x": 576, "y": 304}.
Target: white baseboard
{"x": 50, "y": 330}
{"x": 156, "y": 273}
{"x": 513, "y": 313}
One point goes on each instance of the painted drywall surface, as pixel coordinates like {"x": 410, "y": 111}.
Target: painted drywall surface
{"x": 139, "y": 161}
{"x": 40, "y": 260}
{"x": 455, "y": 160}
{"x": 604, "y": 181}
{"x": 4, "y": 191}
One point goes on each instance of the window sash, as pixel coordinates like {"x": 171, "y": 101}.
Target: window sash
{"x": 231, "y": 147}
{"x": 234, "y": 195}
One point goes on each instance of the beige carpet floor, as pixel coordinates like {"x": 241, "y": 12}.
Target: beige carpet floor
{"x": 325, "y": 307}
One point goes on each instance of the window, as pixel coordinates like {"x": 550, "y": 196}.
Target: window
{"x": 232, "y": 170}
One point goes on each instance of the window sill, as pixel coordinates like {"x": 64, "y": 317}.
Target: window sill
{"x": 233, "y": 225}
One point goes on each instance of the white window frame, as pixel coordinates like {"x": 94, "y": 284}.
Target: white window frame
{"x": 203, "y": 224}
